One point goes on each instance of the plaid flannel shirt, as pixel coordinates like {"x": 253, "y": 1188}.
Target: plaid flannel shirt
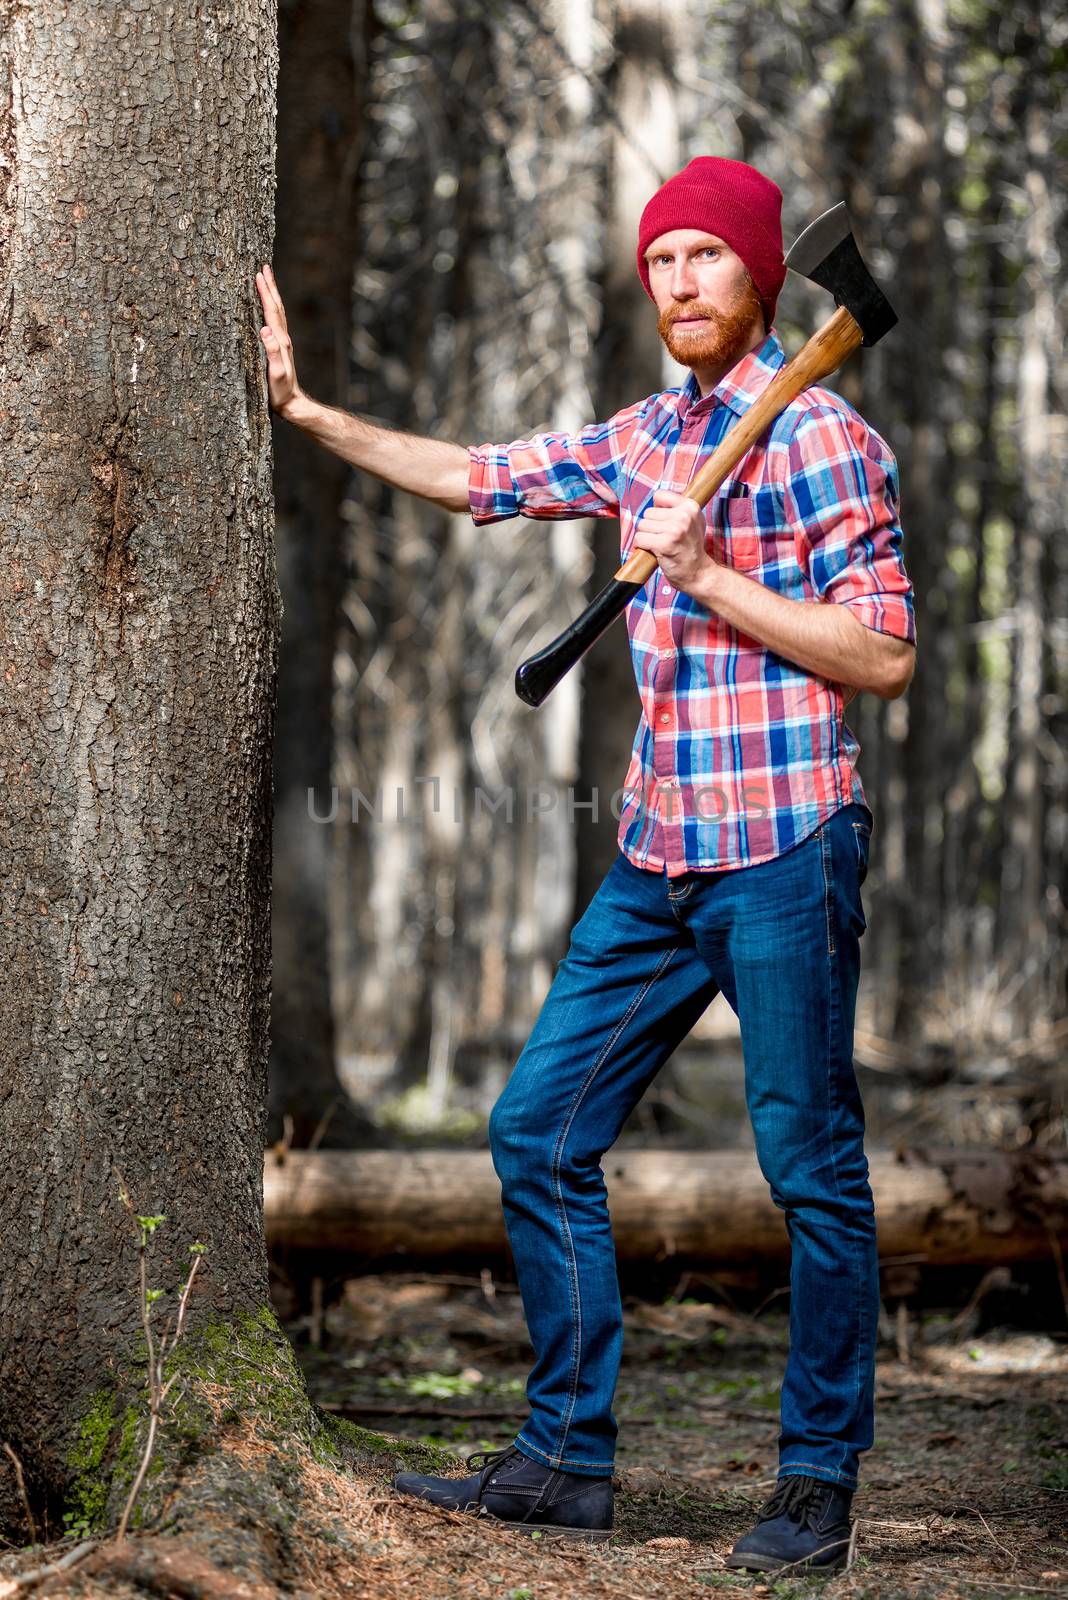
{"x": 739, "y": 753}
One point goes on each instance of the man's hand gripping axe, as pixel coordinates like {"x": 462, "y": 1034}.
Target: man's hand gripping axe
{"x": 827, "y": 253}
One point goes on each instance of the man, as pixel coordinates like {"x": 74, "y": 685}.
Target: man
{"x": 743, "y": 844}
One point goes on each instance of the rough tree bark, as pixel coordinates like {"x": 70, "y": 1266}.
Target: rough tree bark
{"x": 140, "y": 617}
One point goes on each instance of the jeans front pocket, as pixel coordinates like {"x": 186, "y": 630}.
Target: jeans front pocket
{"x": 862, "y": 836}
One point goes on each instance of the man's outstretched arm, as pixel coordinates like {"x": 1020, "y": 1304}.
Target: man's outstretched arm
{"x": 428, "y": 467}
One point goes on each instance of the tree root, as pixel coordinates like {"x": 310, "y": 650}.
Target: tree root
{"x": 168, "y": 1567}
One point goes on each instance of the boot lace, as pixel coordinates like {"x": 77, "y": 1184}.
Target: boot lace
{"x": 488, "y": 1459}
{"x": 801, "y": 1499}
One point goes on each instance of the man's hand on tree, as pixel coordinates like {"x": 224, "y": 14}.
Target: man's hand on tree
{"x": 282, "y": 386}
{"x": 438, "y": 471}
{"x": 674, "y": 529}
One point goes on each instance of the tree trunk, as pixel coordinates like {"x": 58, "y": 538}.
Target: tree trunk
{"x": 950, "y": 1206}
{"x": 1030, "y": 947}
{"x": 140, "y": 619}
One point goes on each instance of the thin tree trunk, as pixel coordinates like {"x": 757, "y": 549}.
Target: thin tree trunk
{"x": 323, "y": 45}
{"x": 969, "y": 922}
{"x": 1025, "y": 957}
{"x": 921, "y": 401}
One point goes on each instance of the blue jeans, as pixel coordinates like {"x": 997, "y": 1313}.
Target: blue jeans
{"x": 781, "y": 939}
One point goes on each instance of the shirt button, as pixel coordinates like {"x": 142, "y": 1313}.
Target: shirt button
{"x": 668, "y": 589}
{"x": 666, "y": 716}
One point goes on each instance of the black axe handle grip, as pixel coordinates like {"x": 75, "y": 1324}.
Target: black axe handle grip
{"x": 536, "y": 677}
{"x": 823, "y": 354}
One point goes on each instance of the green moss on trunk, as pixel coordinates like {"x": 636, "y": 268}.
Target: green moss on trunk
{"x": 227, "y": 1373}
{"x": 88, "y": 1496}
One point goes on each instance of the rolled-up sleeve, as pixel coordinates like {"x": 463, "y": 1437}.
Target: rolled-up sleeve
{"x": 842, "y": 496}
{"x": 552, "y": 475}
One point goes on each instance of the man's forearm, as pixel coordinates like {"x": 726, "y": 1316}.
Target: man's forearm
{"x": 428, "y": 467}
{"x": 825, "y": 639}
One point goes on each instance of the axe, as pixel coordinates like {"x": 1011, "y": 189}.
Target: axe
{"x": 827, "y": 253}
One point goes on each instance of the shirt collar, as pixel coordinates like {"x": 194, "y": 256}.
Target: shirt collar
{"x": 746, "y": 380}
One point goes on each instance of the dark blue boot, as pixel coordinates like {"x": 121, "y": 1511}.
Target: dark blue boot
{"x": 805, "y": 1522}
{"x": 509, "y": 1487}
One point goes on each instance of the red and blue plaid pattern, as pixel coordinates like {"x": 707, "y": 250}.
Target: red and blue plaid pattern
{"x": 739, "y": 753}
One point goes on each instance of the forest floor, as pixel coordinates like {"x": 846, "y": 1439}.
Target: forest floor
{"x": 964, "y": 1494}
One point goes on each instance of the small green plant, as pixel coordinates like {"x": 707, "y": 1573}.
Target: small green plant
{"x": 159, "y": 1348}
{"x": 80, "y": 1521}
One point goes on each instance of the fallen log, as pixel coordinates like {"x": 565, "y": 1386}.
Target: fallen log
{"x": 956, "y": 1207}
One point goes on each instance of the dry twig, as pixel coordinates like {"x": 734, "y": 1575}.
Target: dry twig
{"x": 1013, "y": 1559}
{"x": 20, "y": 1480}
{"x": 30, "y": 1580}
{"x": 986, "y": 1583}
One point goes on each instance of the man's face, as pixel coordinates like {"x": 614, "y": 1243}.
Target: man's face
{"x": 709, "y": 311}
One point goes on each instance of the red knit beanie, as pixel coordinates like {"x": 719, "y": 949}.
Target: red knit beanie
{"x": 736, "y": 203}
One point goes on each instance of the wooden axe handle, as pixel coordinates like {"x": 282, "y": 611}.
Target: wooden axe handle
{"x": 821, "y": 356}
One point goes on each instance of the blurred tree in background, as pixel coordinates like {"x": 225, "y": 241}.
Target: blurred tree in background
{"x": 505, "y": 152}
{"x": 323, "y": 47}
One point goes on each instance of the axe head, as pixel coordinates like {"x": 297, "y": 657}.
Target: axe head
{"x": 827, "y": 253}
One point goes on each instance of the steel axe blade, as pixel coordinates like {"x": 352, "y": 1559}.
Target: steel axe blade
{"x": 827, "y": 253}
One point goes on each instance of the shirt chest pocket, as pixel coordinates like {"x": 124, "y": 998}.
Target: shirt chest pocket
{"x": 742, "y": 527}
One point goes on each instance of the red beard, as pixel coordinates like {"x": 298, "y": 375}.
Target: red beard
{"x": 724, "y": 336}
